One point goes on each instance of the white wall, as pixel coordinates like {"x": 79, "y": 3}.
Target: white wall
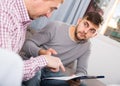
{"x": 105, "y": 59}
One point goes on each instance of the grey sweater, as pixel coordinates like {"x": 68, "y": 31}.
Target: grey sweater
{"x": 56, "y": 35}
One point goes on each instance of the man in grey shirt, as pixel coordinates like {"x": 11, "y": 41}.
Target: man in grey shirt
{"x": 68, "y": 42}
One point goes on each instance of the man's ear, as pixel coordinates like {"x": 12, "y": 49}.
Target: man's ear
{"x": 79, "y": 20}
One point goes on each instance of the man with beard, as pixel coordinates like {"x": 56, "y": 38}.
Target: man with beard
{"x": 68, "y": 42}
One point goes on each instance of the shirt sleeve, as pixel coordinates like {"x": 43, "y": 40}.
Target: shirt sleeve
{"x": 33, "y": 44}
{"x": 6, "y": 25}
{"x": 32, "y": 66}
{"x": 82, "y": 62}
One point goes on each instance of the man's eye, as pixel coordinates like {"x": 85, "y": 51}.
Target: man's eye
{"x": 85, "y": 24}
{"x": 53, "y": 8}
{"x": 92, "y": 30}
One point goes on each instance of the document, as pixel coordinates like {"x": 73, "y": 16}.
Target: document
{"x": 75, "y": 77}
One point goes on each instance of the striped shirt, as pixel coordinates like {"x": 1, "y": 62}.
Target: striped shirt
{"x": 14, "y": 20}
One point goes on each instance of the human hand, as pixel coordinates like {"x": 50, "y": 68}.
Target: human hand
{"x": 54, "y": 63}
{"x": 50, "y": 51}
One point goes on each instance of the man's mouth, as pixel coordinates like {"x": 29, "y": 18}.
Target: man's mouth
{"x": 82, "y": 35}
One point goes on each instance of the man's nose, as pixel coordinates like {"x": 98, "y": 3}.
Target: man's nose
{"x": 86, "y": 30}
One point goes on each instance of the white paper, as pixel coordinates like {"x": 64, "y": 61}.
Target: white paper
{"x": 66, "y": 77}
{"x": 63, "y": 78}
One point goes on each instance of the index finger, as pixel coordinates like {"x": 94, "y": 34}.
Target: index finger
{"x": 62, "y": 67}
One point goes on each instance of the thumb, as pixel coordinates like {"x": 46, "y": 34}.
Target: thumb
{"x": 48, "y": 52}
{"x": 52, "y": 51}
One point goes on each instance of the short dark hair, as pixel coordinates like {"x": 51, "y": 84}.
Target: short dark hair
{"x": 94, "y": 17}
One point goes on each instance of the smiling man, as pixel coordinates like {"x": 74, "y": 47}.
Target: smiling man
{"x": 68, "y": 42}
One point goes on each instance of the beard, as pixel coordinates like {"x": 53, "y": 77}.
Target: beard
{"x": 79, "y": 40}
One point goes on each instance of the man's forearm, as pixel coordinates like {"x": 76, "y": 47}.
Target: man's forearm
{"x": 32, "y": 66}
